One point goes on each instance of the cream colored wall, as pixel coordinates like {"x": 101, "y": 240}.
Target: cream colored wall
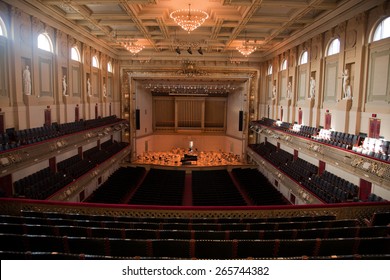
{"x": 22, "y": 111}
{"x": 354, "y": 33}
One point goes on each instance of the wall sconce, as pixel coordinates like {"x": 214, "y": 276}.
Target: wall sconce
{"x": 189, "y": 50}
{"x": 200, "y": 51}
{"x": 178, "y": 50}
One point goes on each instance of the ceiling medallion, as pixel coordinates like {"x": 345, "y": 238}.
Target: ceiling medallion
{"x": 189, "y": 19}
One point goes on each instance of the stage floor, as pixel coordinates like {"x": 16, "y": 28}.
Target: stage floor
{"x": 174, "y": 157}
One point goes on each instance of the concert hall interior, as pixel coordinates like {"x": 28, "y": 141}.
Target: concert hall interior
{"x": 261, "y": 131}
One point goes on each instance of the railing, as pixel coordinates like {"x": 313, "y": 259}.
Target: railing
{"x": 360, "y": 211}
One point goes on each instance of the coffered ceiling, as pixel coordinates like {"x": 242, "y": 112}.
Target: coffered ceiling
{"x": 266, "y": 24}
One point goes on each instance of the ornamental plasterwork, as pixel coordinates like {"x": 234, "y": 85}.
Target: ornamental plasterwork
{"x": 377, "y": 168}
{"x": 315, "y": 148}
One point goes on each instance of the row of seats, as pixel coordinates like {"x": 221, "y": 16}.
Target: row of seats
{"x": 199, "y": 249}
{"x": 44, "y": 183}
{"x": 15, "y": 138}
{"x": 299, "y": 169}
{"x": 372, "y": 147}
{"x": 258, "y": 188}
{"x": 68, "y": 235}
{"x": 304, "y": 130}
{"x": 160, "y": 187}
{"x": 117, "y": 186}
{"x": 125, "y": 233}
{"x": 215, "y": 188}
{"x": 327, "y": 186}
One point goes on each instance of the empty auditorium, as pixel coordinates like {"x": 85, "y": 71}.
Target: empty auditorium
{"x": 195, "y": 130}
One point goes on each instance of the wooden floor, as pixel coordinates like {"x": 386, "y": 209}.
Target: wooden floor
{"x": 204, "y": 158}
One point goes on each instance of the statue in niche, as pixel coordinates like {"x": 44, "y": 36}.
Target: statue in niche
{"x": 312, "y": 87}
{"x": 273, "y": 92}
{"x": 289, "y": 90}
{"x": 347, "y": 92}
{"x": 26, "y": 81}
{"x": 104, "y": 90}
{"x": 89, "y": 87}
{"x": 64, "y": 85}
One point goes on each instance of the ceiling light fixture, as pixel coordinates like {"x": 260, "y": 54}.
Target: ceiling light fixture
{"x": 132, "y": 47}
{"x": 189, "y": 19}
{"x": 245, "y": 49}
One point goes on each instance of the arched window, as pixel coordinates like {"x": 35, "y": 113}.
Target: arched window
{"x": 109, "y": 67}
{"x": 269, "y": 71}
{"x": 382, "y": 30}
{"x": 283, "y": 65}
{"x": 95, "y": 62}
{"x": 75, "y": 54}
{"x": 44, "y": 42}
{"x": 334, "y": 47}
{"x": 3, "y": 30}
{"x": 303, "y": 59}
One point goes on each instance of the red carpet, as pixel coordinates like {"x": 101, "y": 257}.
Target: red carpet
{"x": 187, "y": 195}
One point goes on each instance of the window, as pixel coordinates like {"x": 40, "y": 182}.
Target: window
{"x": 75, "y": 54}
{"x": 284, "y": 65}
{"x": 303, "y": 59}
{"x": 3, "y": 30}
{"x": 95, "y": 62}
{"x": 109, "y": 67}
{"x": 334, "y": 47}
{"x": 382, "y": 31}
{"x": 44, "y": 42}
{"x": 269, "y": 72}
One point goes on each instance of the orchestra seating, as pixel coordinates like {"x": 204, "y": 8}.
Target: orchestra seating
{"x": 258, "y": 188}
{"x": 49, "y": 235}
{"x": 12, "y": 138}
{"x": 117, "y": 186}
{"x": 214, "y": 187}
{"x": 160, "y": 187}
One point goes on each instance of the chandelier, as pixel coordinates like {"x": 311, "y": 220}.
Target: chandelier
{"x": 189, "y": 19}
{"x": 132, "y": 47}
{"x": 245, "y": 49}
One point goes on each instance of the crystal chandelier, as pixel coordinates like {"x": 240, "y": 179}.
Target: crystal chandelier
{"x": 189, "y": 19}
{"x": 132, "y": 47}
{"x": 245, "y": 49}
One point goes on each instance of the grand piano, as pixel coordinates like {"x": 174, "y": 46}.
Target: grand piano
{"x": 189, "y": 159}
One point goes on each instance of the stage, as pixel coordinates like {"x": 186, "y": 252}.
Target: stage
{"x": 189, "y": 158}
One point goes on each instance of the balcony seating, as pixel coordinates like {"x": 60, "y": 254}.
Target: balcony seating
{"x": 44, "y": 183}
{"x": 34, "y": 235}
{"x": 215, "y": 187}
{"x": 15, "y": 138}
{"x": 372, "y": 147}
{"x": 328, "y": 187}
